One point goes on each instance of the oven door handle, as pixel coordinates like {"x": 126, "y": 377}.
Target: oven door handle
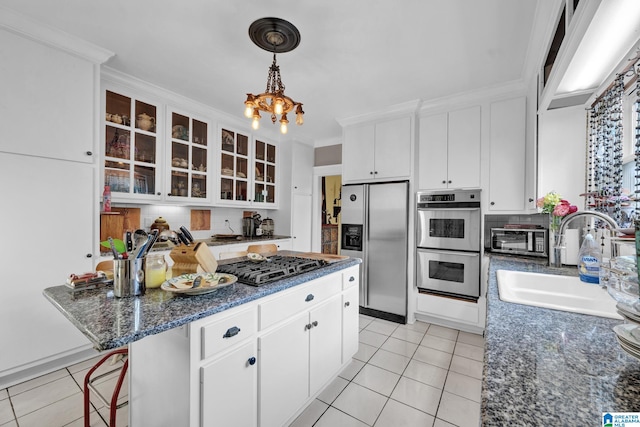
{"x": 448, "y": 209}
{"x": 467, "y": 254}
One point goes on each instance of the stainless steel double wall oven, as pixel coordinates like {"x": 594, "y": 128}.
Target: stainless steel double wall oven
{"x": 448, "y": 243}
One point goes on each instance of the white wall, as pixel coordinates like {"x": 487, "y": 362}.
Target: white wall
{"x": 562, "y": 144}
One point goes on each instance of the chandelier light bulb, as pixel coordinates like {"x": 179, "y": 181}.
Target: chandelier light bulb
{"x": 283, "y": 124}
{"x": 248, "y": 111}
{"x": 255, "y": 124}
{"x": 278, "y": 107}
{"x": 299, "y": 115}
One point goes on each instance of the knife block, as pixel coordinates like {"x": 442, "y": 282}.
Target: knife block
{"x": 192, "y": 259}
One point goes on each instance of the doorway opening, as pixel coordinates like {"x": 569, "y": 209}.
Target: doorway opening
{"x": 330, "y": 214}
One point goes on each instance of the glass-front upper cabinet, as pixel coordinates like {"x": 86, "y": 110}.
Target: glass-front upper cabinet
{"x": 131, "y": 147}
{"x": 234, "y": 166}
{"x": 189, "y": 157}
{"x": 264, "y": 190}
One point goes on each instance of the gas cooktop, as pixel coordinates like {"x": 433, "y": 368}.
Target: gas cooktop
{"x": 274, "y": 268}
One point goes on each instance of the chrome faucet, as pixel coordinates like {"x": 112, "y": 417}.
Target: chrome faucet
{"x": 557, "y": 249}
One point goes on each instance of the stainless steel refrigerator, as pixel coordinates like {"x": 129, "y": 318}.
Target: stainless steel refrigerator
{"x": 375, "y": 220}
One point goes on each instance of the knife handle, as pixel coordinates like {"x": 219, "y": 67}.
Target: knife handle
{"x": 186, "y": 233}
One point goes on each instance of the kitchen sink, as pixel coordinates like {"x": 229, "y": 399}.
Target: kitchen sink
{"x": 564, "y": 293}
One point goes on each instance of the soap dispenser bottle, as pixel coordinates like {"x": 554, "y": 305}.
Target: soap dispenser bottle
{"x": 589, "y": 258}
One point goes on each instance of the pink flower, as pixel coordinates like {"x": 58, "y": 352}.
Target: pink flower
{"x": 540, "y": 202}
{"x": 561, "y": 209}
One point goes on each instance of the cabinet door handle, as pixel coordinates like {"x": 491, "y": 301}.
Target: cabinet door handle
{"x": 309, "y": 297}
{"x": 492, "y": 203}
{"x": 351, "y": 279}
{"x": 371, "y": 173}
{"x": 530, "y": 200}
{"x": 89, "y": 153}
{"x": 252, "y": 361}
{"x": 314, "y": 323}
{"x": 307, "y": 326}
{"x": 231, "y": 332}
{"x": 449, "y": 181}
{"x": 444, "y": 181}
{"x": 89, "y": 255}
{"x": 375, "y": 172}
{"x": 347, "y": 304}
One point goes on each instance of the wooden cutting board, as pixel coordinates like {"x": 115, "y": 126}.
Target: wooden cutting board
{"x": 113, "y": 224}
{"x": 323, "y": 257}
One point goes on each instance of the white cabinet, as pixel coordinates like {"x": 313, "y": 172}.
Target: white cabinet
{"x": 350, "y": 314}
{"x": 301, "y": 207}
{"x": 229, "y": 386}
{"x": 507, "y": 156}
{"x": 37, "y": 193}
{"x": 46, "y": 107}
{"x": 296, "y": 359}
{"x": 248, "y": 174}
{"x": 259, "y": 363}
{"x": 284, "y": 370}
{"x": 377, "y": 151}
{"x": 188, "y": 158}
{"x": 449, "y": 150}
{"x": 302, "y": 169}
{"x": 133, "y": 154}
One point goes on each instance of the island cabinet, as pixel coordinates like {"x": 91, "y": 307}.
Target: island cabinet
{"x": 257, "y": 364}
{"x": 450, "y": 149}
{"x": 377, "y": 151}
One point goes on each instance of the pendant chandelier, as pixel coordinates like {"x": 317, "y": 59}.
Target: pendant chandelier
{"x": 277, "y": 36}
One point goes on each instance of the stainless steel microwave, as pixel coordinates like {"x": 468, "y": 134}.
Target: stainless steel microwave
{"x": 533, "y": 242}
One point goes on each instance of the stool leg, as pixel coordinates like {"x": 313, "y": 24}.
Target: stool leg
{"x": 116, "y": 393}
{"x": 87, "y": 378}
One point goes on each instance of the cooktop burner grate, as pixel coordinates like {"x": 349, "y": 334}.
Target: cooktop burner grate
{"x": 274, "y": 268}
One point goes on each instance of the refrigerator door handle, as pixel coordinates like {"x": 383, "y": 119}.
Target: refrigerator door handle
{"x": 365, "y": 249}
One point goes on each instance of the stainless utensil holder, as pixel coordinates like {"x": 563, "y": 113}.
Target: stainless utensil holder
{"x": 128, "y": 277}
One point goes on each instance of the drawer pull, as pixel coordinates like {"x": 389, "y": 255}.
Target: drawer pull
{"x": 309, "y": 298}
{"x": 252, "y": 361}
{"x": 347, "y": 304}
{"x": 231, "y": 332}
{"x": 351, "y": 279}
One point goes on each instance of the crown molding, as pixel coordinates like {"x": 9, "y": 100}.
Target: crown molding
{"x": 17, "y": 23}
{"x": 476, "y": 96}
{"x": 409, "y": 107}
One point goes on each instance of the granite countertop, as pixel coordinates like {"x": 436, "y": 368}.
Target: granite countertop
{"x": 547, "y": 367}
{"x": 111, "y": 322}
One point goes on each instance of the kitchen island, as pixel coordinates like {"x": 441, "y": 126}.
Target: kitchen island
{"x": 547, "y": 367}
{"x": 239, "y": 355}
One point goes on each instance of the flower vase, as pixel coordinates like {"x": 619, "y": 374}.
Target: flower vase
{"x": 554, "y": 231}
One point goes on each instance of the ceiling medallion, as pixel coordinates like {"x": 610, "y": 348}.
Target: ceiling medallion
{"x": 278, "y": 36}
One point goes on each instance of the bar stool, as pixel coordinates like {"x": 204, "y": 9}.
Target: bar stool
{"x": 111, "y": 405}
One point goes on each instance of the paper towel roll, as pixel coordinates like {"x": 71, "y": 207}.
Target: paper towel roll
{"x": 572, "y": 243}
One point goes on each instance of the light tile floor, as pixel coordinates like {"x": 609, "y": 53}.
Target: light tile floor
{"x": 403, "y": 375}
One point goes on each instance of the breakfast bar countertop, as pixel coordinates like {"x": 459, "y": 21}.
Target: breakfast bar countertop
{"x": 111, "y": 322}
{"x": 548, "y": 367}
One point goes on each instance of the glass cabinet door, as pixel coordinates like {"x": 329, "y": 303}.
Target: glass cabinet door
{"x": 131, "y": 156}
{"x": 189, "y": 157}
{"x": 234, "y": 166}
{"x": 265, "y": 173}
